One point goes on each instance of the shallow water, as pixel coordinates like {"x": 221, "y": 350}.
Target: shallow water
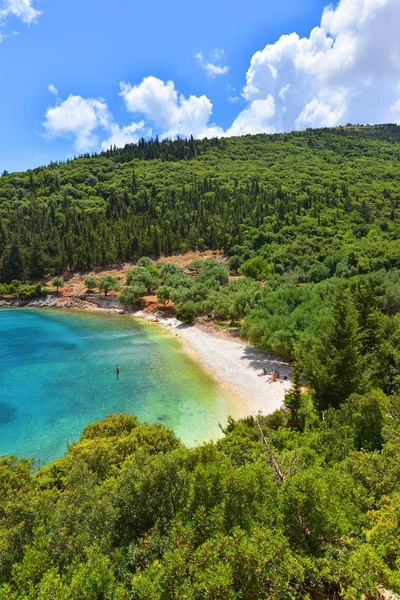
{"x": 57, "y": 375}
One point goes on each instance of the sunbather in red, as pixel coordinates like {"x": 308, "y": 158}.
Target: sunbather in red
{"x": 274, "y": 377}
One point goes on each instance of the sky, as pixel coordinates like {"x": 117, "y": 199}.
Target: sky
{"x": 80, "y": 76}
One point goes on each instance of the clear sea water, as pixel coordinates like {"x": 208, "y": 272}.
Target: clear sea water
{"x": 57, "y": 375}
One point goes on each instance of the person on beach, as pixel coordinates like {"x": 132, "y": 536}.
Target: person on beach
{"x": 274, "y": 377}
{"x": 117, "y": 370}
{"x": 264, "y": 372}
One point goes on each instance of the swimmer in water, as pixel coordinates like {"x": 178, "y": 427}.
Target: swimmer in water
{"x": 117, "y": 370}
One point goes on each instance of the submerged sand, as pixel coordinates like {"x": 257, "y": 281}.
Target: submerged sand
{"x": 234, "y": 364}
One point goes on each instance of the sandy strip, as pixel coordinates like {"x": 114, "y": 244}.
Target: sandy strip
{"x": 234, "y": 364}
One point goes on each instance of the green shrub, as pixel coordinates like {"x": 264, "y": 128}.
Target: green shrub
{"x": 142, "y": 276}
{"x": 91, "y": 283}
{"x": 187, "y": 312}
{"x": 109, "y": 283}
{"x": 130, "y": 296}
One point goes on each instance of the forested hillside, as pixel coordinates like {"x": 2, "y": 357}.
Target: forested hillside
{"x": 315, "y": 203}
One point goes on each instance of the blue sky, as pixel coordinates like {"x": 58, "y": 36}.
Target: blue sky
{"x": 120, "y": 69}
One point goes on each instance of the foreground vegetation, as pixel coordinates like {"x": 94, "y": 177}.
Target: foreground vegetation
{"x": 311, "y": 511}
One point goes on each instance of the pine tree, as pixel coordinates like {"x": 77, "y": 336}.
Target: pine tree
{"x": 13, "y": 264}
{"x": 333, "y": 365}
{"x": 293, "y": 401}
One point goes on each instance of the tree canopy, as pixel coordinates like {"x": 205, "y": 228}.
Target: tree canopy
{"x": 315, "y": 203}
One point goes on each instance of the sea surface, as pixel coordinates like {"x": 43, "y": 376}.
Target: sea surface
{"x": 57, "y": 375}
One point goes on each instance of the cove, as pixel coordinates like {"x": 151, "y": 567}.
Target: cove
{"x": 57, "y": 375}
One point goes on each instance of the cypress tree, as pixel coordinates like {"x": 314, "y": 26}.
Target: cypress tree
{"x": 333, "y": 366}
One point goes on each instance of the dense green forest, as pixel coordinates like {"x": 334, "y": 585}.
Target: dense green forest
{"x": 314, "y": 203}
{"x": 304, "y": 503}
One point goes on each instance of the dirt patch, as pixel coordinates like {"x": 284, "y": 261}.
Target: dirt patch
{"x": 184, "y": 260}
{"x": 75, "y": 282}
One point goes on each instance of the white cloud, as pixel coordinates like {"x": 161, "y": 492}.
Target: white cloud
{"x": 157, "y": 102}
{"x": 284, "y": 90}
{"x": 53, "y": 90}
{"x": 169, "y": 112}
{"x": 213, "y": 66}
{"x": 256, "y": 118}
{"x": 77, "y": 118}
{"x": 318, "y": 113}
{"x": 20, "y": 9}
{"x": 346, "y": 70}
{"x": 131, "y": 134}
{"x": 395, "y": 108}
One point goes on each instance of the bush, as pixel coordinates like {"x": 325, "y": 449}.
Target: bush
{"x": 214, "y": 270}
{"x": 141, "y": 276}
{"x": 129, "y": 297}
{"x": 109, "y": 283}
{"x": 164, "y": 294}
{"x": 145, "y": 261}
{"x": 29, "y": 292}
{"x": 318, "y": 272}
{"x": 169, "y": 269}
{"x": 235, "y": 262}
{"x": 187, "y": 312}
{"x": 90, "y": 283}
{"x": 196, "y": 265}
{"x": 257, "y": 268}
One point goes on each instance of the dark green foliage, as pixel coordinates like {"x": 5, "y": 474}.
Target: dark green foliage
{"x": 293, "y": 401}
{"x": 109, "y": 283}
{"x": 90, "y": 283}
{"x": 363, "y": 417}
{"x": 142, "y": 276}
{"x": 298, "y": 212}
{"x": 164, "y": 293}
{"x": 319, "y": 210}
{"x": 129, "y": 297}
{"x": 29, "y": 292}
{"x": 145, "y": 261}
{"x": 129, "y": 513}
{"x": 23, "y": 292}
{"x": 282, "y": 315}
{"x": 311, "y": 511}
{"x": 187, "y": 311}
{"x": 12, "y": 264}
{"x": 332, "y": 362}
{"x": 257, "y": 268}
{"x": 235, "y": 262}
{"x": 213, "y": 272}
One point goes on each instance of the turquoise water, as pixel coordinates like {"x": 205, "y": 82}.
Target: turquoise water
{"x": 57, "y": 375}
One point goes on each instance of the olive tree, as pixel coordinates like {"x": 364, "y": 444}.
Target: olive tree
{"x": 58, "y": 282}
{"x": 109, "y": 283}
{"x": 90, "y": 283}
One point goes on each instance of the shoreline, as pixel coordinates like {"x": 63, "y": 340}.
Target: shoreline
{"x": 233, "y": 364}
